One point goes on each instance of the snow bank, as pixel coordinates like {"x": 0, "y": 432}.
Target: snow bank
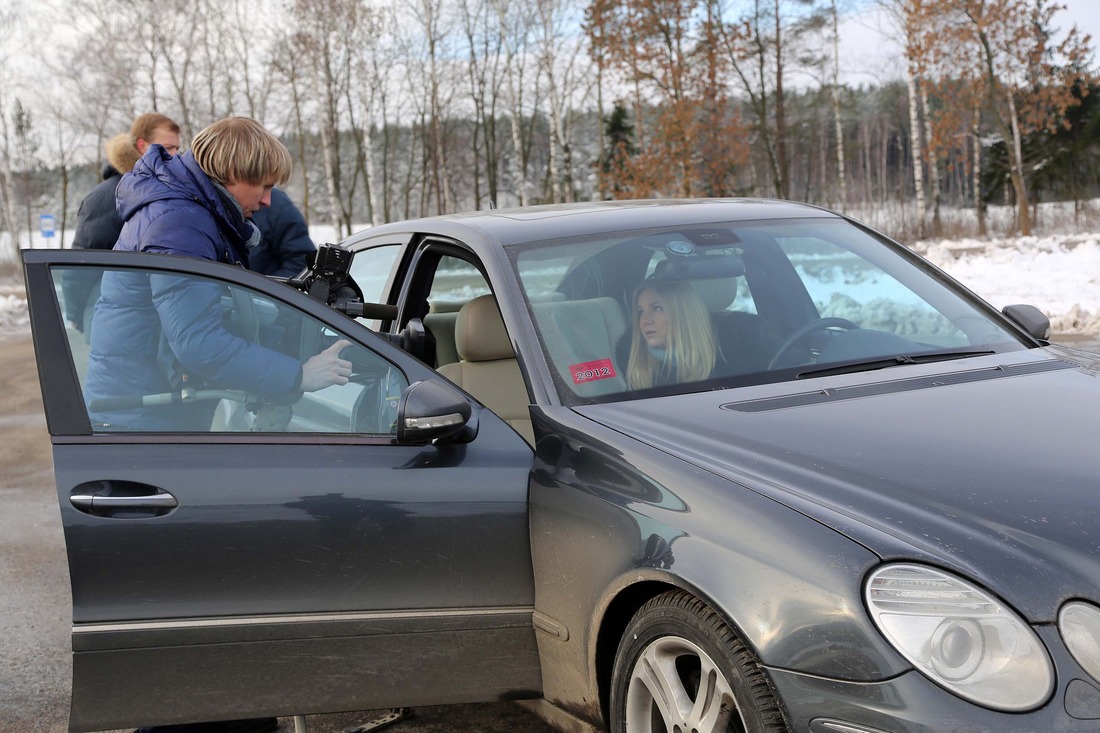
{"x": 1059, "y": 274}
{"x": 13, "y": 313}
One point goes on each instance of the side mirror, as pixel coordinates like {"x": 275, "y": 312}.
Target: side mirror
{"x": 431, "y": 410}
{"x": 1029, "y": 318}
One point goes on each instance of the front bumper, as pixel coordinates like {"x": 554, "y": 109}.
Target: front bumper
{"x": 911, "y": 703}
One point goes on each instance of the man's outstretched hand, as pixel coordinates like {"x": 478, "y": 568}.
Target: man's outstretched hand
{"x": 327, "y": 368}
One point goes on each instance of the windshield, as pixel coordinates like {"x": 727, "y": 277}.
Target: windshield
{"x": 639, "y": 313}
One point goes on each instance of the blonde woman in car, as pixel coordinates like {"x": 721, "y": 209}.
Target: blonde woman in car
{"x": 672, "y": 341}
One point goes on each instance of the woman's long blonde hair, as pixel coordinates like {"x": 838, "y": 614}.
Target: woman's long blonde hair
{"x": 690, "y": 346}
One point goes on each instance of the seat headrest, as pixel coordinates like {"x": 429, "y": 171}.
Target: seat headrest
{"x": 479, "y": 332}
{"x": 713, "y": 277}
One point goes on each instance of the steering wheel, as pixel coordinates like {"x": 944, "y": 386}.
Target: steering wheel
{"x": 819, "y": 324}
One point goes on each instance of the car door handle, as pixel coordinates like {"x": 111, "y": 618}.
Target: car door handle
{"x": 91, "y": 502}
{"x": 121, "y": 499}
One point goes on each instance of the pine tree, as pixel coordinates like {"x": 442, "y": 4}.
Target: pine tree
{"x": 620, "y": 150}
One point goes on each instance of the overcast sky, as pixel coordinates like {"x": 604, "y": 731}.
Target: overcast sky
{"x": 870, "y": 52}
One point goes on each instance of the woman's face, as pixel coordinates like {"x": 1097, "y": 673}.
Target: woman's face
{"x": 652, "y": 319}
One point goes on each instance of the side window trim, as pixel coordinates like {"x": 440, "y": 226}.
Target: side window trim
{"x": 62, "y": 397}
{"x": 413, "y": 299}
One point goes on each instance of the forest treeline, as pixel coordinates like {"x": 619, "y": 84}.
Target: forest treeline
{"x": 396, "y": 110}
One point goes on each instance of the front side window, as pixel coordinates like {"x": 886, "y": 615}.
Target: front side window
{"x": 180, "y": 353}
{"x": 728, "y": 304}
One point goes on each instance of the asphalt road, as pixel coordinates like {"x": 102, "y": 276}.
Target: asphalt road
{"x": 36, "y": 609}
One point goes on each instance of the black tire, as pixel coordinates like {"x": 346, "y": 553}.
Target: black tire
{"x": 679, "y": 635}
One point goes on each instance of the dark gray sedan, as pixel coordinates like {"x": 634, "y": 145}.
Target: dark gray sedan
{"x": 669, "y": 465}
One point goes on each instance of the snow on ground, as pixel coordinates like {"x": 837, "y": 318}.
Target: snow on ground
{"x": 1058, "y": 273}
{"x": 13, "y": 312}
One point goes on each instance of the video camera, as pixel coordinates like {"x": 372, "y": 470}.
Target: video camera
{"x": 327, "y": 278}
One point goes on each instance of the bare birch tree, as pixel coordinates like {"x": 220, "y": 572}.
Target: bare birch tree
{"x": 565, "y": 70}
{"x": 748, "y": 46}
{"x": 10, "y": 21}
{"x": 7, "y": 170}
{"x": 484, "y": 74}
{"x": 290, "y": 69}
{"x": 328, "y": 38}
{"x": 841, "y": 171}
{"x": 516, "y": 22}
{"x": 370, "y": 81}
{"x": 434, "y": 24}
{"x": 909, "y": 17}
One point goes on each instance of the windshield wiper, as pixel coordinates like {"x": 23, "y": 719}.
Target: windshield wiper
{"x": 892, "y": 361}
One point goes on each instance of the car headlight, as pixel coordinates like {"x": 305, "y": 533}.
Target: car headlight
{"x": 960, "y": 636}
{"x": 1080, "y": 626}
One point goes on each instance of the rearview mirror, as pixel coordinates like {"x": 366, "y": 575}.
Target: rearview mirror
{"x": 431, "y": 410}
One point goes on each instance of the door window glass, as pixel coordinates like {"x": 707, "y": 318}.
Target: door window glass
{"x": 456, "y": 282}
{"x": 370, "y": 268}
{"x": 171, "y": 352}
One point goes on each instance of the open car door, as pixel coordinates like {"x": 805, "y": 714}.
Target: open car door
{"x": 290, "y": 555}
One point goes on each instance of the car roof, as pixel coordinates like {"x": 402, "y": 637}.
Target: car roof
{"x": 524, "y": 224}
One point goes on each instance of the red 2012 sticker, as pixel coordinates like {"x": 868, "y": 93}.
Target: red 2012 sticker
{"x": 590, "y": 371}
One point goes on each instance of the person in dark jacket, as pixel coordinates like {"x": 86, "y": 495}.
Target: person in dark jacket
{"x": 284, "y": 238}
{"x": 98, "y": 224}
{"x": 97, "y": 228}
{"x": 195, "y": 205}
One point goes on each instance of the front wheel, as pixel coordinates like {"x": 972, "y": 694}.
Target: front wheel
{"x": 681, "y": 669}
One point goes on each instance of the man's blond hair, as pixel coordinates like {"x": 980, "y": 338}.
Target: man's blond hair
{"x": 121, "y": 153}
{"x": 239, "y": 149}
{"x": 145, "y": 125}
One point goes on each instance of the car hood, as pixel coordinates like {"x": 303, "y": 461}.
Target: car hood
{"x": 989, "y": 466}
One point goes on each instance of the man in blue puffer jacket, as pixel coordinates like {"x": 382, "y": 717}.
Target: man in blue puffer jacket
{"x": 195, "y": 205}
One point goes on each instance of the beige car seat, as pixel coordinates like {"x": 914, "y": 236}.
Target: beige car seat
{"x": 487, "y": 366}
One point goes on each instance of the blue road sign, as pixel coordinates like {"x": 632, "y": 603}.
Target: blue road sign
{"x": 46, "y": 224}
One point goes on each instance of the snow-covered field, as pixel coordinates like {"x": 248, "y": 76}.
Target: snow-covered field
{"x": 1058, "y": 273}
